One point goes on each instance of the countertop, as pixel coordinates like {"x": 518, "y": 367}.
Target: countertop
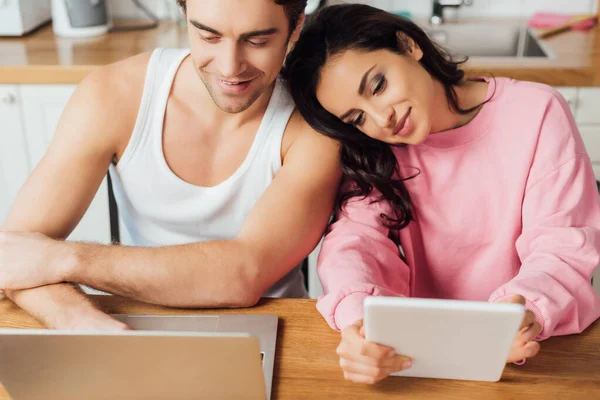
{"x": 306, "y": 366}
{"x": 43, "y": 58}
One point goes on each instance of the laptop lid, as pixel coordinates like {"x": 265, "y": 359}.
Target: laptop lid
{"x": 261, "y": 326}
{"x": 53, "y": 365}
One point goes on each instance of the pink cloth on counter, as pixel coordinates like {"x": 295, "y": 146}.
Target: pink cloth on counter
{"x": 504, "y": 205}
{"x": 550, "y": 20}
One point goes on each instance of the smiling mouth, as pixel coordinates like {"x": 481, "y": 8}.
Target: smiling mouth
{"x": 400, "y": 124}
{"x": 235, "y": 83}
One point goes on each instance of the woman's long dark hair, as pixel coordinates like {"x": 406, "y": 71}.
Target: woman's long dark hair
{"x": 368, "y": 163}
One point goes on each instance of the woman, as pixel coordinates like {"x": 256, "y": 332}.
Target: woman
{"x": 484, "y": 183}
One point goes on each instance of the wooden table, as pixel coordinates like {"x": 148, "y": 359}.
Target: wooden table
{"x": 306, "y": 365}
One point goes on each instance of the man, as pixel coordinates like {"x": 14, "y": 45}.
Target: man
{"x": 222, "y": 186}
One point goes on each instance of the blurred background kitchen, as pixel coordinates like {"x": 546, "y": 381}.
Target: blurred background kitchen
{"x": 48, "y": 46}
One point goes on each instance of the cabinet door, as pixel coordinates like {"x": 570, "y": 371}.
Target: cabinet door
{"x": 570, "y": 95}
{"x": 14, "y": 160}
{"x": 588, "y": 103}
{"x": 591, "y": 138}
{"x": 42, "y": 108}
{"x": 315, "y": 290}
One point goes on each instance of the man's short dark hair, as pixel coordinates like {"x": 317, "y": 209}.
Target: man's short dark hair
{"x": 293, "y": 10}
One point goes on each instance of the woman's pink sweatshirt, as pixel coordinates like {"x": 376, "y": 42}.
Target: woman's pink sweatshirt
{"x": 504, "y": 205}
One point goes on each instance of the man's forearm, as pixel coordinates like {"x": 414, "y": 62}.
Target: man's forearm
{"x": 208, "y": 274}
{"x": 60, "y": 306}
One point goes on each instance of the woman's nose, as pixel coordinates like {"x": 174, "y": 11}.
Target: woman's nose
{"x": 385, "y": 118}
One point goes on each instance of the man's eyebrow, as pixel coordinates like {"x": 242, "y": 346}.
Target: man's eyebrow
{"x": 363, "y": 81}
{"x": 247, "y": 35}
{"x": 262, "y": 32}
{"x": 205, "y": 28}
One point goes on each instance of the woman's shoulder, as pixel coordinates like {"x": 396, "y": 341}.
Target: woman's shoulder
{"x": 528, "y": 93}
{"x": 531, "y": 104}
{"x": 557, "y": 136}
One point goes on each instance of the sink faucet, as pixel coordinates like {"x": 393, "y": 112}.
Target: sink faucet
{"x": 437, "y": 17}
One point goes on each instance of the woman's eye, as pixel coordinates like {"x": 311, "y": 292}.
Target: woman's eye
{"x": 379, "y": 85}
{"x": 358, "y": 120}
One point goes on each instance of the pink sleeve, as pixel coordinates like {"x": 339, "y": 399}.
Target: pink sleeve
{"x": 560, "y": 241}
{"x": 357, "y": 260}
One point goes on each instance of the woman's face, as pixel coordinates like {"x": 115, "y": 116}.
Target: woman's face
{"x": 387, "y": 96}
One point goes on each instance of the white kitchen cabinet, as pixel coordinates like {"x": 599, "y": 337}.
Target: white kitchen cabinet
{"x": 585, "y": 104}
{"x": 596, "y": 168}
{"x": 591, "y": 138}
{"x": 14, "y": 158}
{"x": 570, "y": 95}
{"x": 588, "y": 106}
{"x": 42, "y": 106}
{"x": 314, "y": 283}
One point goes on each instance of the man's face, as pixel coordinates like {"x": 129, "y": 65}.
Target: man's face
{"x": 238, "y": 48}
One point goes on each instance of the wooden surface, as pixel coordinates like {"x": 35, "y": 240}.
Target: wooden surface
{"x": 43, "y": 58}
{"x": 306, "y": 366}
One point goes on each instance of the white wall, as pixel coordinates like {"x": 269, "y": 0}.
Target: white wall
{"x": 126, "y": 8}
{"x": 488, "y": 8}
{"x": 422, "y": 8}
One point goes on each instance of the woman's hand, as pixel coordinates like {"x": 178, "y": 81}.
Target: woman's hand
{"x": 367, "y": 362}
{"x": 524, "y": 346}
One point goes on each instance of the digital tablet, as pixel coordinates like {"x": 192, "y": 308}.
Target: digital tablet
{"x": 448, "y": 339}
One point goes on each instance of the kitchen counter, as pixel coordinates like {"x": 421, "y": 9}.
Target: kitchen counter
{"x": 306, "y": 366}
{"x": 44, "y": 58}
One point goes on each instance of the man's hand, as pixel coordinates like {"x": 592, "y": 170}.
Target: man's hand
{"x": 367, "y": 362}
{"x": 92, "y": 321}
{"x": 29, "y": 260}
{"x": 75, "y": 311}
{"x": 524, "y": 345}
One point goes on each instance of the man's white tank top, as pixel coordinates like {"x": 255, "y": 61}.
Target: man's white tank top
{"x": 157, "y": 208}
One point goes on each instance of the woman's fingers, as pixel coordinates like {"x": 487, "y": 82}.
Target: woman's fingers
{"x": 358, "y": 378}
{"x": 367, "y": 362}
{"x": 359, "y": 372}
{"x": 529, "y": 328}
{"x": 523, "y": 351}
{"x": 531, "y": 333}
{"x": 531, "y": 349}
{"x": 355, "y": 348}
{"x": 516, "y": 299}
{"x": 351, "y": 334}
{"x": 367, "y": 353}
{"x": 364, "y": 369}
{"x": 528, "y": 320}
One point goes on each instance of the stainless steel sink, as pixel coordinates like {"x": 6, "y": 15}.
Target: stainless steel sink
{"x": 491, "y": 39}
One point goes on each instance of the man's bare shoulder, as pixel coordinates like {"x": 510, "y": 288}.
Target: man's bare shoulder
{"x": 120, "y": 82}
{"x": 107, "y": 101}
{"x": 300, "y": 134}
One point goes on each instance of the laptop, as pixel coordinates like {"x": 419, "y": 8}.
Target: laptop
{"x": 165, "y": 357}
